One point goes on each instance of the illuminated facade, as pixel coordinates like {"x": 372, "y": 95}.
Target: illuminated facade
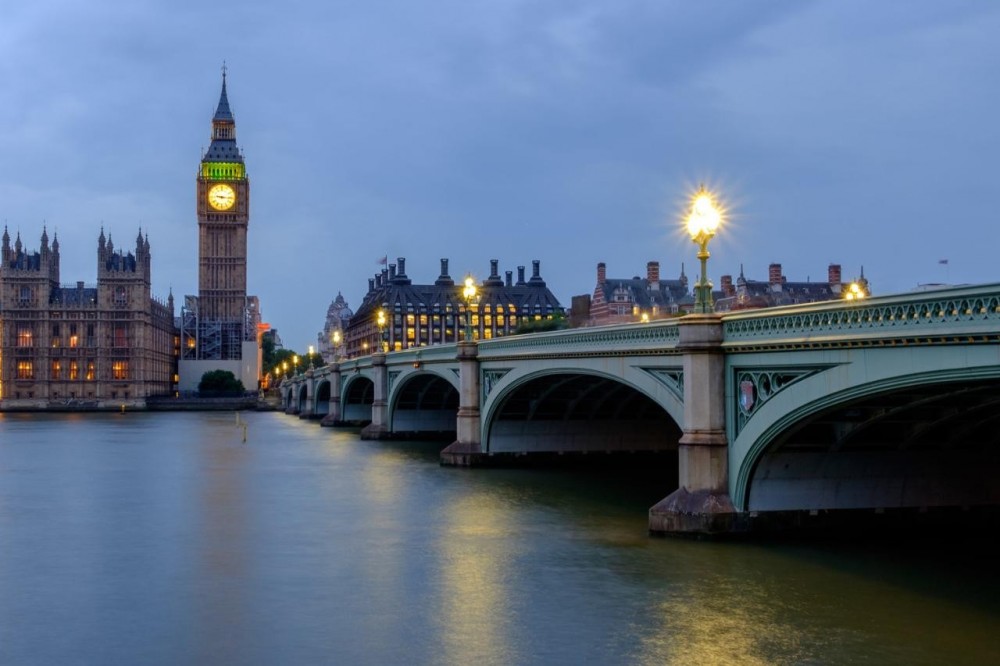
{"x": 77, "y": 346}
{"x": 418, "y": 315}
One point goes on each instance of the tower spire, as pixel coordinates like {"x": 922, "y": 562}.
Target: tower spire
{"x": 222, "y": 112}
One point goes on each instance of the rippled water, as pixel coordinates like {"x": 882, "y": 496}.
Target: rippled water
{"x": 165, "y": 539}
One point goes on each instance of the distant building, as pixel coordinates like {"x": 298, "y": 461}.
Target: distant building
{"x": 623, "y": 300}
{"x": 427, "y": 314}
{"x": 338, "y": 316}
{"x": 777, "y": 290}
{"x": 77, "y": 346}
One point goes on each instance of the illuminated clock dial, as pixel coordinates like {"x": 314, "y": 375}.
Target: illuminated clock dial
{"x": 221, "y": 197}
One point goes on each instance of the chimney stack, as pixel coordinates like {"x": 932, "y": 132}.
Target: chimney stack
{"x": 653, "y": 273}
{"x": 392, "y": 271}
{"x": 402, "y": 266}
{"x": 774, "y": 274}
{"x": 602, "y": 275}
{"x": 520, "y": 276}
{"x": 727, "y": 285}
{"x": 510, "y": 279}
{"x": 833, "y": 274}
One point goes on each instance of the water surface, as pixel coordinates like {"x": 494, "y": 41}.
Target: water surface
{"x": 165, "y": 539}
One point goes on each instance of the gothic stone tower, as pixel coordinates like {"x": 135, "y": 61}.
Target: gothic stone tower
{"x": 223, "y": 204}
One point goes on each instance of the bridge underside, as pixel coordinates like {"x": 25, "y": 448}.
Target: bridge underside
{"x": 426, "y": 405}
{"x": 934, "y": 445}
{"x": 579, "y": 413}
{"x": 357, "y": 402}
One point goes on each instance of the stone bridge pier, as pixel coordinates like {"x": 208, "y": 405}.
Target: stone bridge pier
{"x": 333, "y": 416}
{"x": 701, "y": 504}
{"x": 467, "y": 448}
{"x": 378, "y": 428}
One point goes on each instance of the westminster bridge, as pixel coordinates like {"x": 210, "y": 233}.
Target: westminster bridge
{"x": 886, "y": 403}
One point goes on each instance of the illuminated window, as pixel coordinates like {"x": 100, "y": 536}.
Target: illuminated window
{"x": 74, "y": 370}
{"x": 410, "y": 334}
{"x": 410, "y": 320}
{"x": 488, "y": 320}
{"x": 25, "y": 338}
{"x": 25, "y": 370}
{"x": 56, "y": 369}
{"x": 487, "y": 334}
{"x": 91, "y": 371}
{"x": 513, "y": 320}
{"x": 74, "y": 339}
{"x": 475, "y": 320}
{"x": 119, "y": 369}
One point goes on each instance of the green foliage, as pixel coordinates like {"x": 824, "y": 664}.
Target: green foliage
{"x": 275, "y": 362}
{"x": 220, "y": 382}
{"x": 557, "y": 322}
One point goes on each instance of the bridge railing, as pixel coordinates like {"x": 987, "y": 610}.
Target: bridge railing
{"x": 966, "y": 311}
{"x": 649, "y": 338}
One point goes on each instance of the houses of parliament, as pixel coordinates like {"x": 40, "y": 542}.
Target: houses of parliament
{"x": 113, "y": 343}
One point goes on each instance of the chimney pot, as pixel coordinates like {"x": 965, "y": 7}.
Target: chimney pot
{"x": 602, "y": 274}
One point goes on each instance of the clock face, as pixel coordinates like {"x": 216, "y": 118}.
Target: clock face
{"x": 221, "y": 197}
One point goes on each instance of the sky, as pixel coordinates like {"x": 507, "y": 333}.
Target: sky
{"x": 568, "y": 131}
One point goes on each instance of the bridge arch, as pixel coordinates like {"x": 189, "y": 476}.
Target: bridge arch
{"x": 913, "y": 439}
{"x": 301, "y": 397}
{"x": 424, "y": 401}
{"x": 578, "y": 409}
{"x": 321, "y": 398}
{"x": 357, "y": 397}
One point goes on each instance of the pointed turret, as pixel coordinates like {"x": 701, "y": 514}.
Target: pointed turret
{"x": 223, "y": 147}
{"x": 17, "y": 243}
{"x": 223, "y": 112}
{"x": 6, "y": 244}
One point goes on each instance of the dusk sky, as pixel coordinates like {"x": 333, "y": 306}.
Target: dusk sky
{"x": 859, "y": 133}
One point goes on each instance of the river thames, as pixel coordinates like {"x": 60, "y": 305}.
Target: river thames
{"x": 167, "y": 539}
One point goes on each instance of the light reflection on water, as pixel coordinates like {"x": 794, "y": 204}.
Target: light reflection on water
{"x": 164, "y": 539}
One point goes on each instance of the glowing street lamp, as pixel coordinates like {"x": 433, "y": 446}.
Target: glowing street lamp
{"x": 380, "y": 320}
{"x": 854, "y": 292}
{"x": 336, "y": 345}
{"x": 469, "y": 294}
{"x": 295, "y": 363}
{"x": 702, "y": 222}
{"x": 284, "y": 367}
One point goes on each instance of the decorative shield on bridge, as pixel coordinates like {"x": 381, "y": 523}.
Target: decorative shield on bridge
{"x": 748, "y": 395}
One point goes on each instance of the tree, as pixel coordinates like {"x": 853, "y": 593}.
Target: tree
{"x": 556, "y": 322}
{"x": 220, "y": 382}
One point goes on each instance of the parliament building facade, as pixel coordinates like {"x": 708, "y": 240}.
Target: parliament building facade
{"x": 77, "y": 346}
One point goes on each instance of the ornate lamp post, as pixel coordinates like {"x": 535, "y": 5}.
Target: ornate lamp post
{"x": 284, "y": 367}
{"x": 336, "y": 345}
{"x": 295, "y": 363}
{"x": 469, "y": 294}
{"x": 702, "y": 222}
{"x": 380, "y": 321}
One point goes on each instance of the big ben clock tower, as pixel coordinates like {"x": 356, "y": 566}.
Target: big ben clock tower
{"x": 223, "y": 204}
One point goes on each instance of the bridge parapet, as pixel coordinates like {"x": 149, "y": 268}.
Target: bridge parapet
{"x": 618, "y": 340}
{"x": 945, "y": 315}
